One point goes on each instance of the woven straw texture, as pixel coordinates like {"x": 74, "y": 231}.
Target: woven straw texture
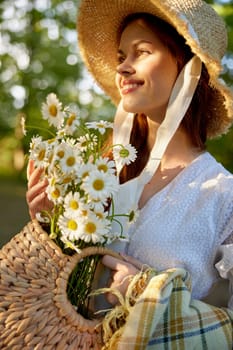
{"x": 205, "y": 32}
{"x": 34, "y": 310}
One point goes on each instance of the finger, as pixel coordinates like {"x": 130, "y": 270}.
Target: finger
{"x": 36, "y": 190}
{"x": 39, "y": 204}
{"x": 113, "y": 263}
{"x": 35, "y": 177}
{"x": 112, "y": 299}
{"x": 133, "y": 261}
{"x": 30, "y": 168}
{"x": 119, "y": 282}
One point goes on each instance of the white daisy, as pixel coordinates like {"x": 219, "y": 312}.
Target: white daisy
{"x": 72, "y": 203}
{"x": 60, "y": 150}
{"x": 70, "y": 161}
{"x": 99, "y": 185}
{"x": 88, "y": 141}
{"x": 133, "y": 215}
{"x": 70, "y": 245}
{"x": 35, "y": 141}
{"x": 39, "y": 152}
{"x": 124, "y": 155}
{"x": 69, "y": 227}
{"x": 101, "y": 126}
{"x": 98, "y": 208}
{"x": 71, "y": 124}
{"x": 93, "y": 229}
{"x": 113, "y": 236}
{"x": 52, "y": 111}
{"x": 85, "y": 210}
{"x": 69, "y": 179}
{"x": 42, "y": 217}
{"x": 55, "y": 191}
{"x": 106, "y": 165}
{"x": 84, "y": 170}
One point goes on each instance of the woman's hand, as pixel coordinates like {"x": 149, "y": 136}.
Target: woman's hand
{"x": 122, "y": 271}
{"x": 36, "y": 196}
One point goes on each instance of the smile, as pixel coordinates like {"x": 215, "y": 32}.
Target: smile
{"x": 129, "y": 87}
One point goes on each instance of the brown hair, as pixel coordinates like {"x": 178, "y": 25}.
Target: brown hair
{"x": 195, "y": 121}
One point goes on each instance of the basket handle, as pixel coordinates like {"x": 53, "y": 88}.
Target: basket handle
{"x": 88, "y": 251}
{"x": 61, "y": 299}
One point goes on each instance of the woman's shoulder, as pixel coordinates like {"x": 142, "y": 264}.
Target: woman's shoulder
{"x": 209, "y": 169}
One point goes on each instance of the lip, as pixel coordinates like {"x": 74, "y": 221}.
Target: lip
{"x": 131, "y": 85}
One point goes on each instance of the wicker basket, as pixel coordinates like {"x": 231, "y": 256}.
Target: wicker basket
{"x": 35, "y": 312}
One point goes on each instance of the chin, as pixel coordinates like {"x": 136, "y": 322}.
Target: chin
{"x": 131, "y": 107}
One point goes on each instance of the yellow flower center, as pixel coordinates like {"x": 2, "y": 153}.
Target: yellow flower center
{"x": 84, "y": 144}
{"x": 103, "y": 167}
{"x": 85, "y": 174}
{"x": 90, "y": 228}
{"x": 131, "y": 216}
{"x": 41, "y": 154}
{"x": 124, "y": 153}
{"x": 61, "y": 154}
{"x": 56, "y": 193}
{"x": 51, "y": 140}
{"x": 72, "y": 225}
{"x": 53, "y": 110}
{"x": 99, "y": 215}
{"x": 70, "y": 119}
{"x": 98, "y": 184}
{"x": 74, "y": 204}
{"x": 70, "y": 161}
{"x": 67, "y": 179}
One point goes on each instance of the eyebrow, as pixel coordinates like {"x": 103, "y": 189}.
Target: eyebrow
{"x": 142, "y": 41}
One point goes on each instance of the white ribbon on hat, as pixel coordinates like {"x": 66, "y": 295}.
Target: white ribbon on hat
{"x": 180, "y": 99}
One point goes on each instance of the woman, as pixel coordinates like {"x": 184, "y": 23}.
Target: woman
{"x": 171, "y": 102}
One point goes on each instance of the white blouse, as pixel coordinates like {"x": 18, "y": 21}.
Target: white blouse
{"x": 186, "y": 223}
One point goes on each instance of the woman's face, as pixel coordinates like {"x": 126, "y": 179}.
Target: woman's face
{"x": 146, "y": 72}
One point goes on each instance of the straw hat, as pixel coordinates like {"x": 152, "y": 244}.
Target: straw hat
{"x": 195, "y": 20}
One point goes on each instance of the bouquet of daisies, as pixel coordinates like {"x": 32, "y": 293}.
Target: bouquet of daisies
{"x": 82, "y": 184}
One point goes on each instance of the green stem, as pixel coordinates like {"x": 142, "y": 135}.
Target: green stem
{"x": 35, "y": 127}
{"x": 80, "y": 282}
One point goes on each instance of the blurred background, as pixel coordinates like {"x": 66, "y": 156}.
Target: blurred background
{"x": 39, "y": 55}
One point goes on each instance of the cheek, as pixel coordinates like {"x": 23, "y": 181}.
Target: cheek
{"x": 165, "y": 77}
{"x": 117, "y": 80}
{"x": 171, "y": 69}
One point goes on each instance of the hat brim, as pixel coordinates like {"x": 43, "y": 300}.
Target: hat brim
{"x": 98, "y": 28}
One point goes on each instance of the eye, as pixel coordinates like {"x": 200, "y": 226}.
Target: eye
{"x": 120, "y": 59}
{"x": 142, "y": 52}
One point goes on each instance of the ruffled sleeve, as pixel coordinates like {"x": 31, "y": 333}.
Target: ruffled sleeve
{"x": 225, "y": 267}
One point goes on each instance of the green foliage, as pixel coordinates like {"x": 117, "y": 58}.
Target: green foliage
{"x": 39, "y": 55}
{"x": 222, "y": 148}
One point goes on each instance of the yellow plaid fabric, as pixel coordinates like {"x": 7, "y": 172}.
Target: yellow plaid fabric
{"x": 166, "y": 318}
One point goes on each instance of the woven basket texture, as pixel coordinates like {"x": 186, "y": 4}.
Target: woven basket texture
{"x": 35, "y": 312}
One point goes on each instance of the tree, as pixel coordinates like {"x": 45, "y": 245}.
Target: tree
{"x": 222, "y": 148}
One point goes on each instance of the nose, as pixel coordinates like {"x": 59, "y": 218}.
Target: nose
{"x": 125, "y": 68}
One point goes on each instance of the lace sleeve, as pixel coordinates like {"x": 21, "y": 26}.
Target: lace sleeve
{"x": 225, "y": 267}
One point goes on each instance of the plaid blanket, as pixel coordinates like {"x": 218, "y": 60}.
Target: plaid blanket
{"x": 164, "y": 317}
